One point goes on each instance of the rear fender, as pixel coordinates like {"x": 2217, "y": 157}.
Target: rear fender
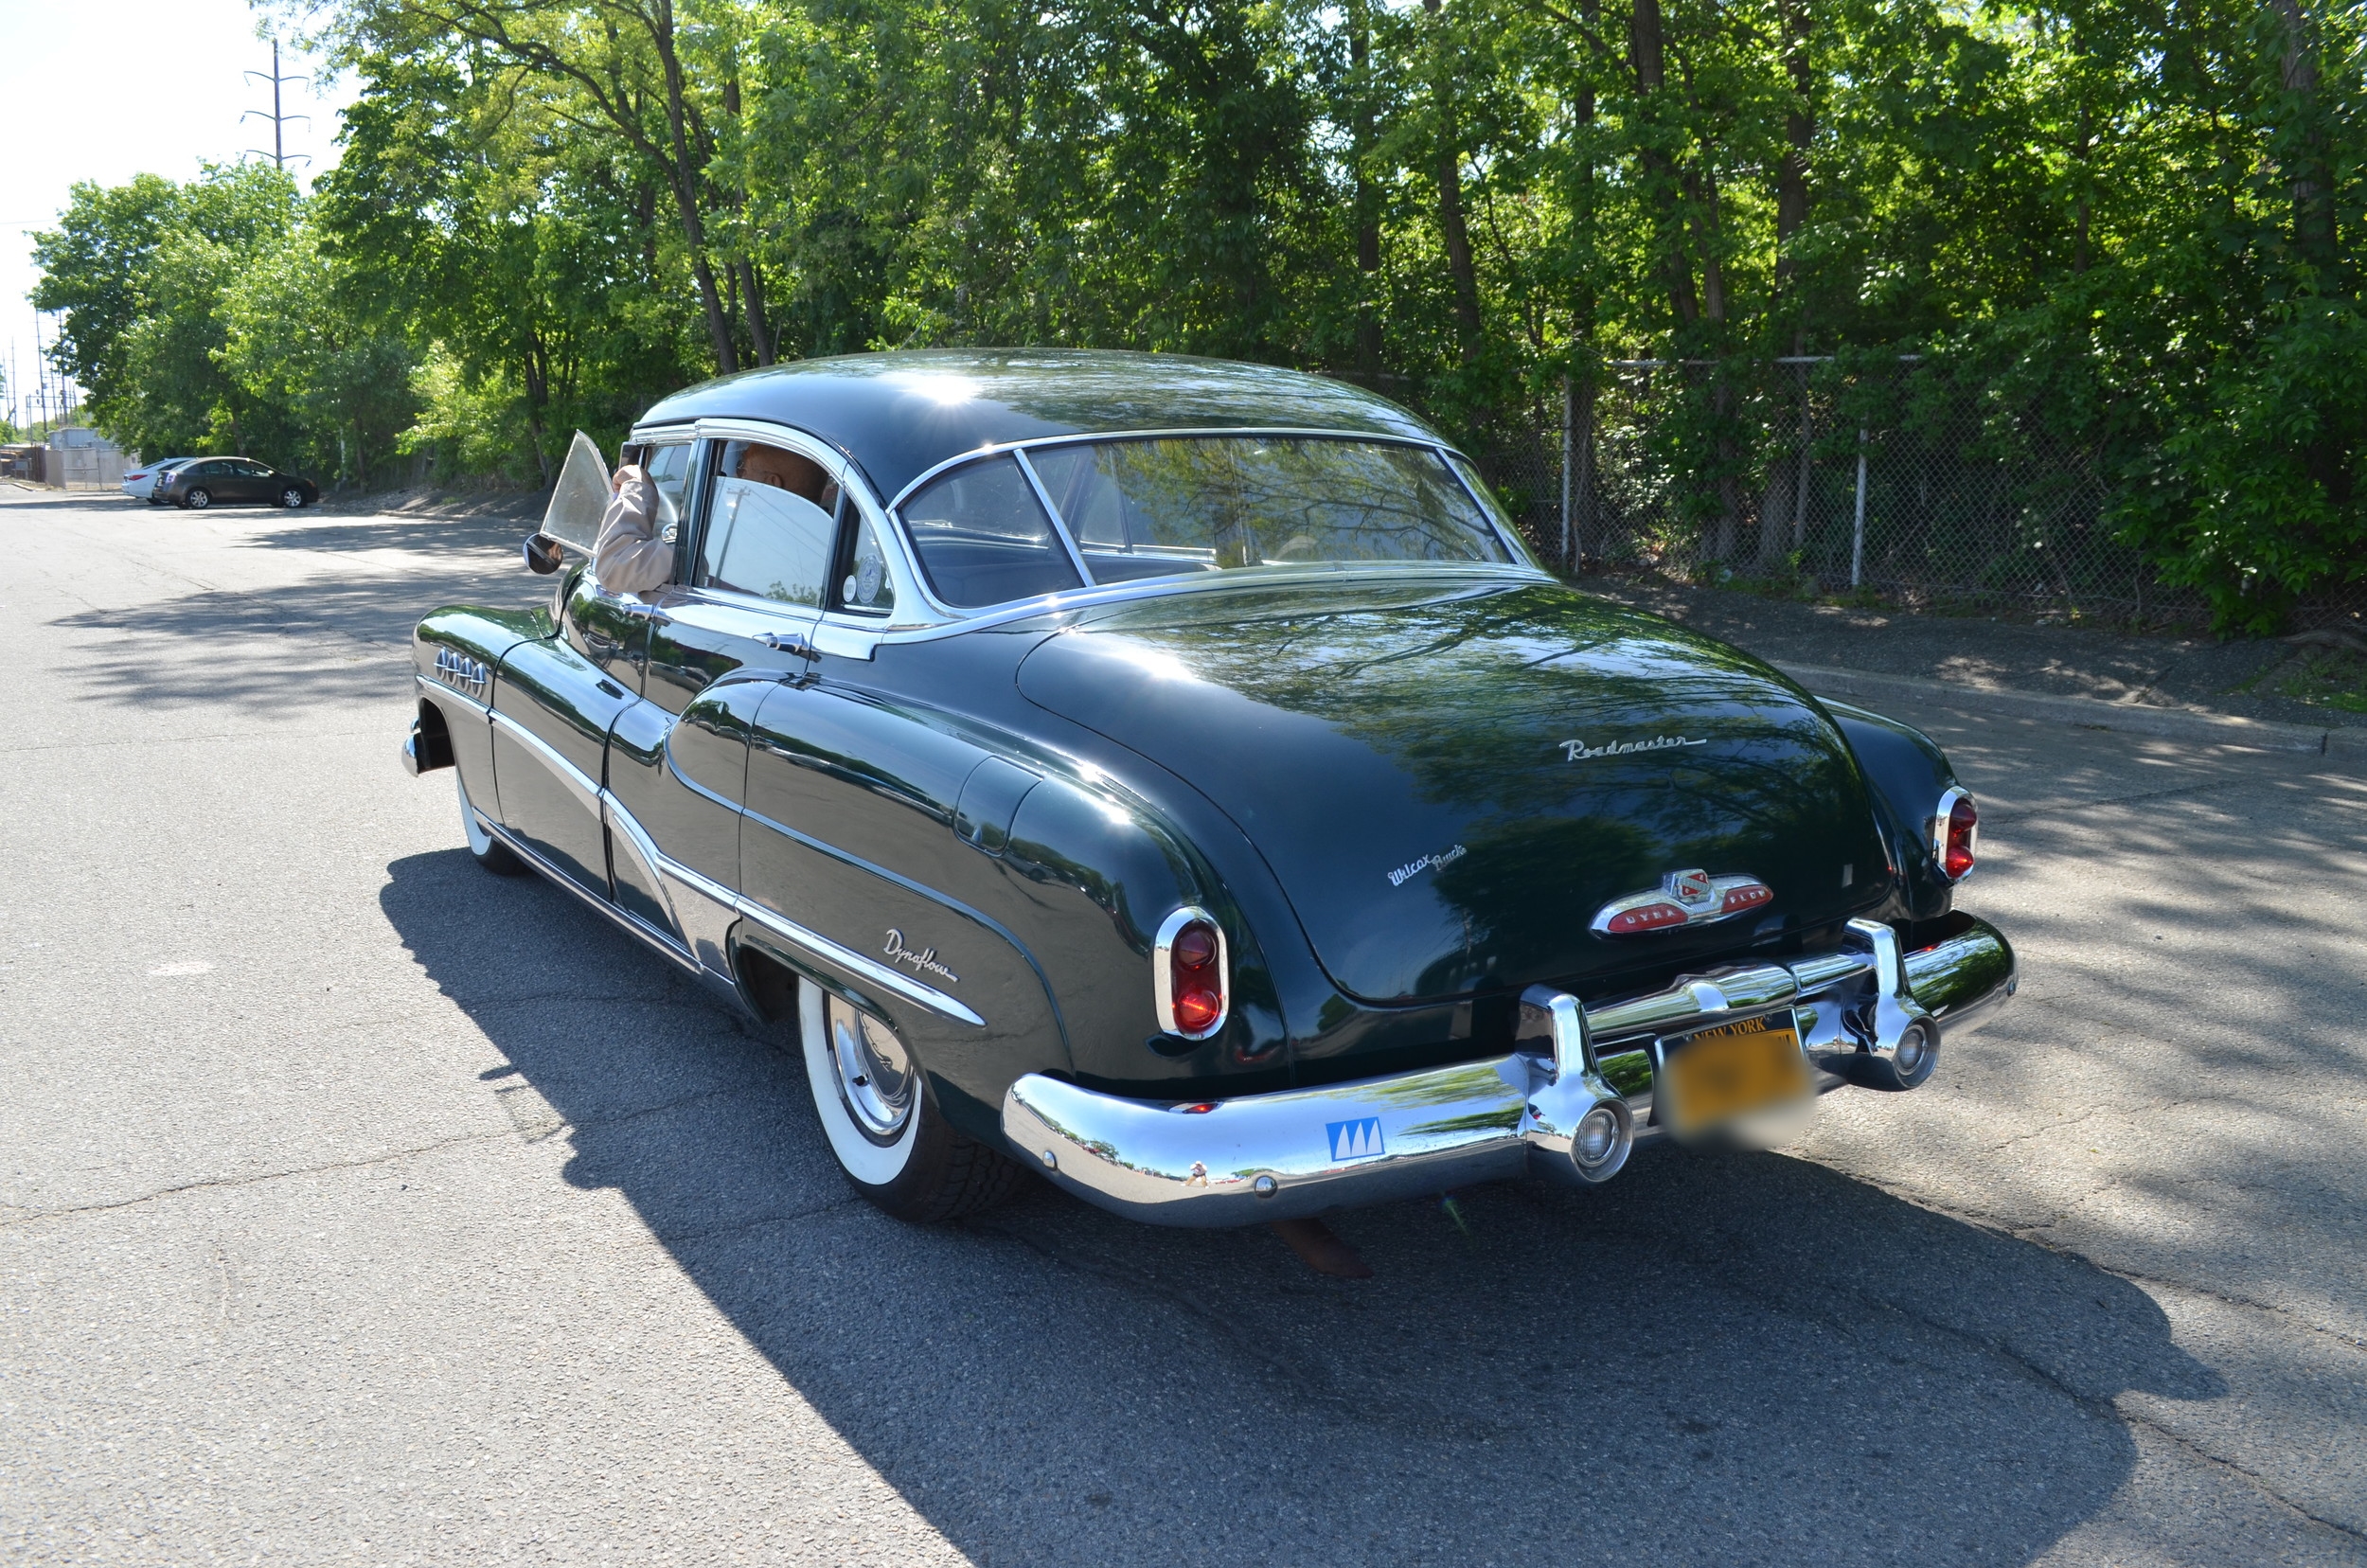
{"x": 1907, "y": 772}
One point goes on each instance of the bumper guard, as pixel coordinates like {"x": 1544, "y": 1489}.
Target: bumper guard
{"x": 1571, "y": 1100}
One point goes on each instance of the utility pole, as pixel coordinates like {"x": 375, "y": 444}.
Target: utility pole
{"x": 278, "y": 141}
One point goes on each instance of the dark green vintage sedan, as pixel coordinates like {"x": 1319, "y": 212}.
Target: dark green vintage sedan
{"x": 1177, "y": 777}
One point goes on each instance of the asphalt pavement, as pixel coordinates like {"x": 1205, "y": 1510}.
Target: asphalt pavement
{"x": 358, "y": 1207}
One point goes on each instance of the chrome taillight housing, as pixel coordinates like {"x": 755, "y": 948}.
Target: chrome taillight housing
{"x": 1955, "y": 834}
{"x": 1190, "y": 974}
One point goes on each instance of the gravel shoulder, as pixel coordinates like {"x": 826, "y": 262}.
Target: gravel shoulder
{"x": 2198, "y": 674}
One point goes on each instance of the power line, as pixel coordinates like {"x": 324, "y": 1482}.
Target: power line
{"x": 278, "y": 120}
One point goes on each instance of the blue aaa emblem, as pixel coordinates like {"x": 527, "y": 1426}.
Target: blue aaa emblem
{"x": 1356, "y": 1140}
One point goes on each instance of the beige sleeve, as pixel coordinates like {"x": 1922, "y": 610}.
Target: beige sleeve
{"x": 628, "y": 559}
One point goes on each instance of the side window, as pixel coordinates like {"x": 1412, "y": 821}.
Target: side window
{"x": 669, "y": 469}
{"x": 984, "y": 539}
{"x": 771, "y": 522}
{"x": 865, "y": 587}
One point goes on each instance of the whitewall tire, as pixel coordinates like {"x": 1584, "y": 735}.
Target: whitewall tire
{"x": 882, "y": 1121}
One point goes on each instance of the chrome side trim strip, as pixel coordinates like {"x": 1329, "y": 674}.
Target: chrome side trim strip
{"x": 438, "y": 688}
{"x": 856, "y": 963}
{"x": 623, "y": 920}
{"x": 634, "y": 837}
{"x": 586, "y": 792}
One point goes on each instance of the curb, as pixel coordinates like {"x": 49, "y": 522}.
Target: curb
{"x": 2220, "y": 730}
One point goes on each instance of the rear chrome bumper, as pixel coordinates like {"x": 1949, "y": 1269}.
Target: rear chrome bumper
{"x": 1572, "y": 1098}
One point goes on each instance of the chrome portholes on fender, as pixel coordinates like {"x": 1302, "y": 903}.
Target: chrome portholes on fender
{"x": 874, "y": 1072}
{"x": 875, "y": 1145}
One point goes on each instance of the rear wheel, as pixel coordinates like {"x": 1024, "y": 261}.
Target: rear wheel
{"x": 488, "y": 851}
{"x": 884, "y": 1127}
{"x": 199, "y": 498}
{"x": 292, "y": 498}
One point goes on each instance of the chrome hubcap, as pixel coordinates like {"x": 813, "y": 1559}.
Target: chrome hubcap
{"x": 874, "y": 1075}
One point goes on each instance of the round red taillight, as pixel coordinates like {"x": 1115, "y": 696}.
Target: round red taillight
{"x": 1963, "y": 827}
{"x": 1192, "y": 969}
{"x": 1198, "y": 1009}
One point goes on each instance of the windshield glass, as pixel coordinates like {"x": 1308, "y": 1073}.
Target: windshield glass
{"x": 1161, "y": 506}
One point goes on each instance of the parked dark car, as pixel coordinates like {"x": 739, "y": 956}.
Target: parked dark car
{"x": 1177, "y": 777}
{"x": 225, "y": 481}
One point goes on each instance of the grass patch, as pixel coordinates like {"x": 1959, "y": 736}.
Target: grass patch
{"x": 2329, "y": 677}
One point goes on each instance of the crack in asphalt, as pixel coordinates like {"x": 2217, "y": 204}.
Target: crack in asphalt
{"x": 20, "y": 1215}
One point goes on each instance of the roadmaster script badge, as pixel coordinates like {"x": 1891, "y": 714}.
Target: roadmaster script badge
{"x": 1579, "y": 751}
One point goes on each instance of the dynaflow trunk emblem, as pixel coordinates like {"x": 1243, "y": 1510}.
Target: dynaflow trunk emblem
{"x": 1686, "y": 898}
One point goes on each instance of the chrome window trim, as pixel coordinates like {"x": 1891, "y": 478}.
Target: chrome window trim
{"x": 1507, "y": 535}
{"x": 1061, "y": 529}
{"x": 1163, "y": 971}
{"x": 1519, "y": 553}
{"x": 1030, "y": 443}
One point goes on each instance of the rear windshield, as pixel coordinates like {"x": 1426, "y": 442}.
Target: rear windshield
{"x": 1169, "y": 505}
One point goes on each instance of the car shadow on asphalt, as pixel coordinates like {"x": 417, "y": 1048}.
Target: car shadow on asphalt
{"x": 273, "y": 650}
{"x": 1716, "y": 1358}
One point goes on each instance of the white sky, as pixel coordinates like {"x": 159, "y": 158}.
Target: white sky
{"x": 106, "y": 89}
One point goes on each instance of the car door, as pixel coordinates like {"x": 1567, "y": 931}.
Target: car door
{"x": 207, "y": 476}
{"x": 243, "y": 480}
{"x": 737, "y": 621}
{"x": 554, "y": 705}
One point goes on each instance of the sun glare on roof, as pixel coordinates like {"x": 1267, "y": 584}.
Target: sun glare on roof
{"x": 938, "y": 387}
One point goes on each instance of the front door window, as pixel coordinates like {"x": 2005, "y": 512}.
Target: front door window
{"x": 770, "y": 525}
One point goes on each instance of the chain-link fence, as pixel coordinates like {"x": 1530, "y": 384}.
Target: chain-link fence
{"x": 1898, "y": 478}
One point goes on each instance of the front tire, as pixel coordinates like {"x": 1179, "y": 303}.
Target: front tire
{"x": 292, "y": 498}
{"x": 891, "y": 1140}
{"x": 488, "y": 851}
{"x": 198, "y": 500}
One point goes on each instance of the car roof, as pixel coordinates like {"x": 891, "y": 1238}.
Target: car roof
{"x": 898, "y": 414}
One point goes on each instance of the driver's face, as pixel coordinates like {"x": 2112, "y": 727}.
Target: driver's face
{"x": 765, "y": 465}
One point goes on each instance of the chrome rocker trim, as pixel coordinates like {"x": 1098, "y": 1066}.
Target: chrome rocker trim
{"x": 1303, "y": 1151}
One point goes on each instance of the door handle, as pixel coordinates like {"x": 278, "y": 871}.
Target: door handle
{"x": 791, "y": 643}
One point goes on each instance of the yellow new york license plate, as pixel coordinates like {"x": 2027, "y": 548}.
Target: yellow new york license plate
{"x": 1719, "y": 1074}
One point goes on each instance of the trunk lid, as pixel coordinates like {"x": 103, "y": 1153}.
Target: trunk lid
{"x": 1448, "y": 779}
